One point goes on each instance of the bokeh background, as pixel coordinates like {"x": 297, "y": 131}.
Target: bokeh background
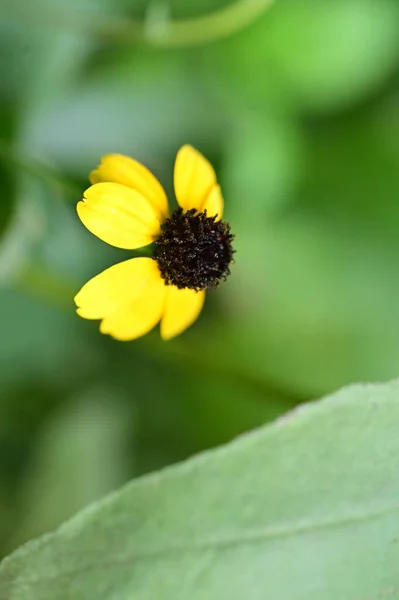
{"x": 299, "y": 112}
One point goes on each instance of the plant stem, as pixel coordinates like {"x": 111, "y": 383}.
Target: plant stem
{"x": 38, "y": 170}
{"x": 159, "y": 33}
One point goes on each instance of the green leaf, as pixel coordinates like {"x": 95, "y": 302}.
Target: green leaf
{"x": 304, "y": 508}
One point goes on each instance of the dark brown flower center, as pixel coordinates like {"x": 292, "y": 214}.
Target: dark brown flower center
{"x": 194, "y": 251}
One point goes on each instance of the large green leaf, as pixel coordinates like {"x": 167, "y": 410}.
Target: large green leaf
{"x": 306, "y": 508}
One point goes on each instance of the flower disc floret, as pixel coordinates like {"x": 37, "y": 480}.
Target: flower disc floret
{"x": 194, "y": 251}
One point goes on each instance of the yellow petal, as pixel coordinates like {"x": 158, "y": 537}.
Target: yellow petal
{"x": 214, "y": 203}
{"x": 182, "y": 308}
{"x": 194, "y": 178}
{"x": 119, "y": 215}
{"x": 140, "y": 315}
{"x": 117, "y": 168}
{"x": 114, "y": 288}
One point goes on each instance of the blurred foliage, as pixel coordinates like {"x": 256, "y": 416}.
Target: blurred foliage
{"x": 299, "y": 114}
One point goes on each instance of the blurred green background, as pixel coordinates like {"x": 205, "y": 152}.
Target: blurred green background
{"x": 299, "y": 112}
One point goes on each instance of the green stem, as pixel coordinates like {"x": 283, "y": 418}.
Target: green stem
{"x": 209, "y": 28}
{"x": 38, "y": 170}
{"x": 41, "y": 283}
{"x": 156, "y": 32}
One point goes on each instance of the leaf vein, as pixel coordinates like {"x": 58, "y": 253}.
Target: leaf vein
{"x": 219, "y": 543}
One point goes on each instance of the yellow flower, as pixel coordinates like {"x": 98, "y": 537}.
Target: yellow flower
{"x": 127, "y": 207}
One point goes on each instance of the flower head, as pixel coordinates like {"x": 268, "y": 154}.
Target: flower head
{"x": 127, "y": 207}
